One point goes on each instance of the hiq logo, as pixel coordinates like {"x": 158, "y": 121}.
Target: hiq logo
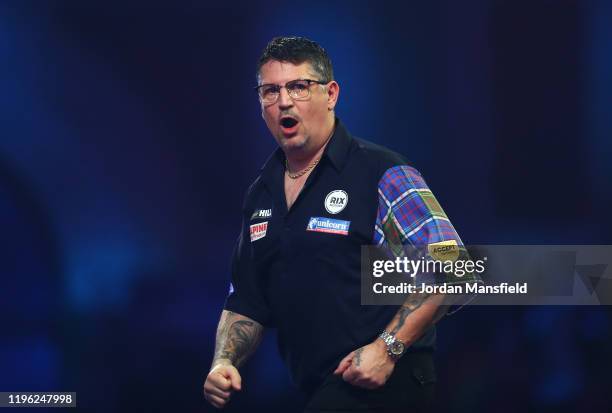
{"x": 331, "y": 226}
{"x": 262, "y": 213}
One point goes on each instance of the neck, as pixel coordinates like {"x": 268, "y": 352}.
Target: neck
{"x": 300, "y": 161}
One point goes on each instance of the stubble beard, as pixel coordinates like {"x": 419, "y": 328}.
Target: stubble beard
{"x": 293, "y": 145}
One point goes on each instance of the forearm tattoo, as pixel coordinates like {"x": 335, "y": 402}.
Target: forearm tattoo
{"x": 413, "y": 302}
{"x": 401, "y": 316}
{"x": 237, "y": 338}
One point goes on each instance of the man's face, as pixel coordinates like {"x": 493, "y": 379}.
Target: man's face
{"x": 297, "y": 125}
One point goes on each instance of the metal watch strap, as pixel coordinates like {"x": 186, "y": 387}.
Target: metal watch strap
{"x": 389, "y": 339}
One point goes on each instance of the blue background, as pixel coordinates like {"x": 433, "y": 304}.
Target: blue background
{"x": 129, "y": 133}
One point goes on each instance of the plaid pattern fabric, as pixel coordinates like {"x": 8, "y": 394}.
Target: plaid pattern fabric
{"x": 408, "y": 212}
{"x": 410, "y": 216}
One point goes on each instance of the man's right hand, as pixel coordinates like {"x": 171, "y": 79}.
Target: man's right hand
{"x": 221, "y": 382}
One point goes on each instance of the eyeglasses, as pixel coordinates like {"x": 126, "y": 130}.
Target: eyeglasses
{"x": 298, "y": 89}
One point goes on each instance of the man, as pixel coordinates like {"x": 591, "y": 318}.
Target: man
{"x": 321, "y": 196}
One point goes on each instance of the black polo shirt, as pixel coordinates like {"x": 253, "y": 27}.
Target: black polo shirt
{"x": 299, "y": 269}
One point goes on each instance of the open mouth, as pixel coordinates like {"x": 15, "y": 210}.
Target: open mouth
{"x": 288, "y": 123}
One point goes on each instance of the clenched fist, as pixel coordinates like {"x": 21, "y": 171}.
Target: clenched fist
{"x": 221, "y": 382}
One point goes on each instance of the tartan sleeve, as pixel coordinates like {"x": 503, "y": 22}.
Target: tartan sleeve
{"x": 410, "y": 220}
{"x": 408, "y": 212}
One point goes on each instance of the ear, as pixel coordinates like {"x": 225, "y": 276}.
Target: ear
{"x": 333, "y": 90}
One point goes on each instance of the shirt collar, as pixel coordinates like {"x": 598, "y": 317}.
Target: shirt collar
{"x": 337, "y": 149}
{"x": 336, "y": 152}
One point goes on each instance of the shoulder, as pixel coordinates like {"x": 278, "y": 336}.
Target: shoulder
{"x": 379, "y": 154}
{"x": 389, "y": 166}
{"x": 252, "y": 193}
{"x": 266, "y": 171}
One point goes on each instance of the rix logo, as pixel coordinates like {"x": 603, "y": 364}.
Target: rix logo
{"x": 336, "y": 201}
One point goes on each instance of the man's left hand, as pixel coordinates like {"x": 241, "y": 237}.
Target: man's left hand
{"x": 368, "y": 367}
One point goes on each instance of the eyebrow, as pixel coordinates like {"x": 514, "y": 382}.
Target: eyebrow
{"x": 305, "y": 76}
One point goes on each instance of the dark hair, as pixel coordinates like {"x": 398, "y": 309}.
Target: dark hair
{"x": 298, "y": 50}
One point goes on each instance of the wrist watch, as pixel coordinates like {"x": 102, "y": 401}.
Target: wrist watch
{"x": 395, "y": 348}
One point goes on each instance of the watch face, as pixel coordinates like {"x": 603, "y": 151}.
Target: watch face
{"x": 397, "y": 348}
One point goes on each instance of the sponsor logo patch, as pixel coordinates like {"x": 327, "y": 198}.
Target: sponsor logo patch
{"x": 258, "y": 231}
{"x": 336, "y": 201}
{"x": 262, "y": 213}
{"x": 331, "y": 226}
{"x": 444, "y": 250}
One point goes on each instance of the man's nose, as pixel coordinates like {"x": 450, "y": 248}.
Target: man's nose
{"x": 284, "y": 100}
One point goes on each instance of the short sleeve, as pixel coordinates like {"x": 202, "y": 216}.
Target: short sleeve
{"x": 409, "y": 217}
{"x": 245, "y": 292}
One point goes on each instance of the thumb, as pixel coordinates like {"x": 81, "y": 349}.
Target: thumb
{"x": 344, "y": 363}
{"x": 234, "y": 377}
